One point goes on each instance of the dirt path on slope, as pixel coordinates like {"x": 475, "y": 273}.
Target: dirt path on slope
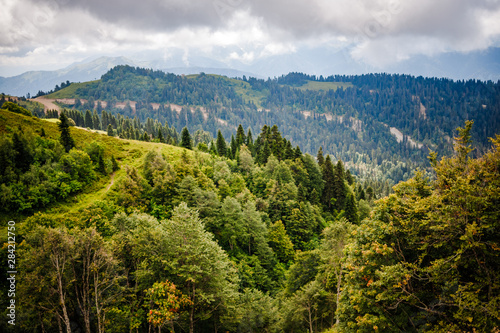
{"x": 47, "y": 103}
{"x": 112, "y": 181}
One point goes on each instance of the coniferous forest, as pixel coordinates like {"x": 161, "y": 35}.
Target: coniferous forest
{"x": 153, "y": 202}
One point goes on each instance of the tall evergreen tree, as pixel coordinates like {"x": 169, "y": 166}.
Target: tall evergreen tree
{"x": 234, "y": 147}
{"x": 96, "y": 122}
{"x": 321, "y": 159}
{"x": 328, "y": 178}
{"x": 186, "y": 141}
{"x": 351, "y": 210}
{"x": 298, "y": 152}
{"x": 240, "y": 136}
{"x": 221, "y": 144}
{"x": 111, "y": 132}
{"x": 276, "y": 142}
{"x": 339, "y": 186}
{"x": 289, "y": 153}
{"x": 160, "y": 136}
{"x": 66, "y": 139}
{"x": 249, "y": 138}
{"x": 88, "y": 119}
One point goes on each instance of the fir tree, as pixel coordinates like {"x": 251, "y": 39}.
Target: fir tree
{"x": 88, "y": 119}
{"x": 66, "y": 139}
{"x": 212, "y": 150}
{"x": 298, "y": 152}
{"x": 234, "y": 147}
{"x": 328, "y": 178}
{"x": 289, "y": 153}
{"x": 160, "y": 136}
{"x": 349, "y": 178}
{"x": 96, "y": 121}
{"x": 221, "y": 144}
{"x": 320, "y": 158}
{"x": 249, "y": 140}
{"x": 114, "y": 164}
{"x": 240, "y": 136}
{"x": 111, "y": 132}
{"x": 339, "y": 186}
{"x": 351, "y": 210}
{"x": 186, "y": 141}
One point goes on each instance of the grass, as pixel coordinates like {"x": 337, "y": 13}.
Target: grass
{"x": 242, "y": 88}
{"x": 316, "y": 86}
{"x": 71, "y": 91}
{"x": 127, "y": 153}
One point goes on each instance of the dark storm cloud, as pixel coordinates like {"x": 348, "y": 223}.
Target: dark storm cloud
{"x": 148, "y": 14}
{"x": 302, "y": 19}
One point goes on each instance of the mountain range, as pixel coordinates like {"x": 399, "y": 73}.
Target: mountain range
{"x": 482, "y": 65}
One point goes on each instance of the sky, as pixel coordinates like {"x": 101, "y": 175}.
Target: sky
{"x": 51, "y": 34}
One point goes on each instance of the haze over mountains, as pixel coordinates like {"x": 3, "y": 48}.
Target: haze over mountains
{"x": 482, "y": 65}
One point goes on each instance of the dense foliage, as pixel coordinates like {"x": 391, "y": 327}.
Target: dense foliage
{"x": 243, "y": 235}
{"x": 351, "y": 116}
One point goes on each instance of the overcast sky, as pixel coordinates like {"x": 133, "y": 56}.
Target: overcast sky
{"x": 49, "y": 34}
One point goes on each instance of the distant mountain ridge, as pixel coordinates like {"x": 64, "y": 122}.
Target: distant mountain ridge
{"x": 482, "y": 65}
{"x": 34, "y": 81}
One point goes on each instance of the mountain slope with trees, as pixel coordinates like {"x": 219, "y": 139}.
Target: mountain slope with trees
{"x": 355, "y": 118}
{"x": 249, "y": 235}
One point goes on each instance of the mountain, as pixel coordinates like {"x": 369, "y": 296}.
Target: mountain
{"x": 378, "y": 123}
{"x": 482, "y": 65}
{"x": 34, "y": 81}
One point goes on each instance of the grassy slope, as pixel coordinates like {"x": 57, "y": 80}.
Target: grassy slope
{"x": 315, "y": 85}
{"x": 69, "y": 92}
{"x": 127, "y": 152}
{"x": 242, "y": 88}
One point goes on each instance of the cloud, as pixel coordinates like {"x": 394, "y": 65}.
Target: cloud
{"x": 375, "y": 31}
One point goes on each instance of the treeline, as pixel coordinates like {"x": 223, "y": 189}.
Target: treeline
{"x": 351, "y": 123}
{"x": 243, "y": 219}
{"x": 56, "y": 88}
{"x": 256, "y": 236}
{"x": 38, "y": 171}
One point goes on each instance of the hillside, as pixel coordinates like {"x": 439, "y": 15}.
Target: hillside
{"x": 369, "y": 121}
{"x": 114, "y": 235}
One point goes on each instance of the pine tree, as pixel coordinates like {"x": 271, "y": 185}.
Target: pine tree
{"x": 212, "y": 150}
{"x": 186, "y": 141}
{"x": 249, "y": 140}
{"x": 328, "y": 178}
{"x": 160, "y": 136}
{"x": 111, "y": 132}
{"x": 234, "y": 147}
{"x": 298, "y": 152}
{"x": 339, "y": 186}
{"x": 276, "y": 142}
{"x": 240, "y": 136}
{"x": 88, "y": 119}
{"x": 321, "y": 159}
{"x": 289, "y": 153}
{"x": 101, "y": 167}
{"x": 96, "y": 121}
{"x": 66, "y": 139}
{"x": 221, "y": 144}
{"x": 351, "y": 210}
{"x": 114, "y": 164}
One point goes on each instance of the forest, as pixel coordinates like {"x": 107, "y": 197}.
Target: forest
{"x": 352, "y": 117}
{"x": 140, "y": 229}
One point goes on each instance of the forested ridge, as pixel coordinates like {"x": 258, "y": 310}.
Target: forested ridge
{"x": 141, "y": 229}
{"x": 351, "y": 116}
